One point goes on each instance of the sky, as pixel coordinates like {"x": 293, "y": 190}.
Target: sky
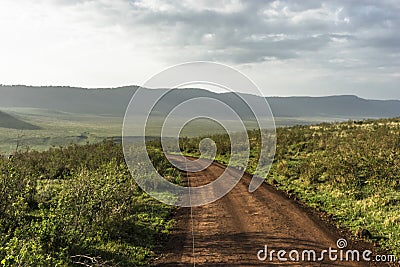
{"x": 286, "y": 47}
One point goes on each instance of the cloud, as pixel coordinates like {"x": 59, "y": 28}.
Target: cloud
{"x": 114, "y": 42}
{"x": 254, "y": 31}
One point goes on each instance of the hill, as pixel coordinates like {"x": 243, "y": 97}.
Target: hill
{"x": 8, "y": 121}
{"x": 113, "y": 101}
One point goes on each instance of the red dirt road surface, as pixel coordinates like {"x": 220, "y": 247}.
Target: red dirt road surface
{"x": 232, "y": 230}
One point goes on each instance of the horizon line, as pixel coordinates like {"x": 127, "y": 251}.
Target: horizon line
{"x": 196, "y": 88}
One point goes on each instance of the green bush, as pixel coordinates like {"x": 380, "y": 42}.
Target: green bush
{"x": 79, "y": 204}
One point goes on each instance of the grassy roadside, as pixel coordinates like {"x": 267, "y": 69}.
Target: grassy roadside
{"x": 349, "y": 170}
{"x": 78, "y": 204}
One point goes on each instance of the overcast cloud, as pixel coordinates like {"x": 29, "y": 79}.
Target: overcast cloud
{"x": 286, "y": 47}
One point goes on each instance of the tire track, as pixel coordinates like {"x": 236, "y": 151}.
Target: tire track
{"x": 230, "y": 231}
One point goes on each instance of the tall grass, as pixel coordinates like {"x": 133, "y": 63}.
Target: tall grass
{"x": 350, "y": 170}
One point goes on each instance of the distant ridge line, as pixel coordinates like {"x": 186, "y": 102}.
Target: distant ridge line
{"x": 113, "y": 101}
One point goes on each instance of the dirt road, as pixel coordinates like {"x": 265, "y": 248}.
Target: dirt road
{"x": 232, "y": 230}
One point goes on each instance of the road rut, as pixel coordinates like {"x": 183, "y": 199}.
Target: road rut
{"x": 232, "y": 230}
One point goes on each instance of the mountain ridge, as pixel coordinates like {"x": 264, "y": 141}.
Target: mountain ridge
{"x": 113, "y": 101}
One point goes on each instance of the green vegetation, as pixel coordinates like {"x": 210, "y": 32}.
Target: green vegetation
{"x": 10, "y": 122}
{"x": 51, "y": 128}
{"x": 78, "y": 204}
{"x": 350, "y": 170}
{"x": 56, "y": 129}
